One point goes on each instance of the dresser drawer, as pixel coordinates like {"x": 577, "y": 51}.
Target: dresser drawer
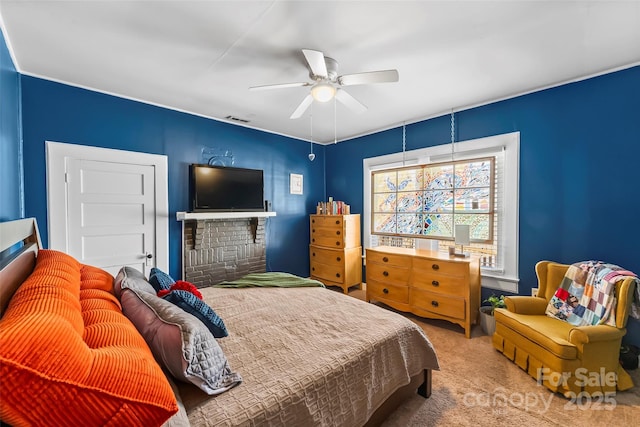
{"x": 438, "y": 303}
{"x": 388, "y": 259}
{"x": 327, "y": 232}
{"x": 439, "y": 283}
{"x": 326, "y": 256}
{"x": 334, "y": 273}
{"x": 385, "y": 291}
{"x": 440, "y": 267}
{"x": 332, "y": 221}
{"x": 327, "y": 241}
{"x": 388, "y": 274}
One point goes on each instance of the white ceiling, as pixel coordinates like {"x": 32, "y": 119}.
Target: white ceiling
{"x": 202, "y": 56}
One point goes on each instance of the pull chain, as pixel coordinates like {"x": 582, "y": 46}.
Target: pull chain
{"x": 311, "y": 121}
{"x": 335, "y": 119}
{"x": 311, "y": 155}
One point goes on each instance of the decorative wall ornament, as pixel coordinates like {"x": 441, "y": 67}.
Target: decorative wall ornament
{"x": 215, "y": 156}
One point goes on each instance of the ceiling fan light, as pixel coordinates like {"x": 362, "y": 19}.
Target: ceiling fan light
{"x": 323, "y": 92}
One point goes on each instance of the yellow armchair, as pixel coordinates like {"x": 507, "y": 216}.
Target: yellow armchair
{"x": 565, "y": 358}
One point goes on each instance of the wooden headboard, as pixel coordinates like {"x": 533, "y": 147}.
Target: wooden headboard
{"x": 19, "y": 244}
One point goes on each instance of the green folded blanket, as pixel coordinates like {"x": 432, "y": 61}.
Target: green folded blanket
{"x": 271, "y": 279}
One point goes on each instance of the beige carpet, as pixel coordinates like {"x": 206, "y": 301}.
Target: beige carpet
{"x": 479, "y": 386}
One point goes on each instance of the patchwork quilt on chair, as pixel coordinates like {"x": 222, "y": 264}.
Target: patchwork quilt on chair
{"x": 586, "y": 295}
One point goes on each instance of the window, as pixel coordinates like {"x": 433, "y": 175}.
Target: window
{"x": 414, "y": 199}
{"x": 427, "y": 200}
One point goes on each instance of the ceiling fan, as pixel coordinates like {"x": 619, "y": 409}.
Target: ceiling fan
{"x": 327, "y": 84}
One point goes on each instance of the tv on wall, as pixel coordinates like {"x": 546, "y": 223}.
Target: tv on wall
{"x": 225, "y": 189}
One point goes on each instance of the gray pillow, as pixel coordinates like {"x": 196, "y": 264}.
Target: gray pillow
{"x": 178, "y": 340}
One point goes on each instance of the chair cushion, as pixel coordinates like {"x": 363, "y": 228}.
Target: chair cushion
{"x": 549, "y": 333}
{"x": 69, "y": 356}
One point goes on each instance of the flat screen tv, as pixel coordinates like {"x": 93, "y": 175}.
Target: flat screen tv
{"x": 225, "y": 189}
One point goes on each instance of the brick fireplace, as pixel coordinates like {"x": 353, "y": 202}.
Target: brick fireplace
{"x": 215, "y": 250}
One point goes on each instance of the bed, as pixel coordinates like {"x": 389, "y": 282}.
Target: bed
{"x": 299, "y": 356}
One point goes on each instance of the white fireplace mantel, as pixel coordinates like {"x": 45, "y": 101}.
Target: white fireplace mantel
{"x": 184, "y": 216}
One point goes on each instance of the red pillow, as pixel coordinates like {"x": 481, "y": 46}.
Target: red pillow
{"x": 181, "y": 285}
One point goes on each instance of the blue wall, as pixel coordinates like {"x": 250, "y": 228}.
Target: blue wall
{"x": 61, "y": 113}
{"x": 579, "y": 168}
{"x": 580, "y": 145}
{"x": 10, "y": 159}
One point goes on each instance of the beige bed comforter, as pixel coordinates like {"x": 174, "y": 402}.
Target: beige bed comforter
{"x": 307, "y": 356}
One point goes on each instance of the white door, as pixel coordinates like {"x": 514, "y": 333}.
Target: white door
{"x": 111, "y": 214}
{"x": 108, "y": 208}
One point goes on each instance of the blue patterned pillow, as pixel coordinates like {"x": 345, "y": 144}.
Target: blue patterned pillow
{"x": 198, "y": 308}
{"x": 160, "y": 280}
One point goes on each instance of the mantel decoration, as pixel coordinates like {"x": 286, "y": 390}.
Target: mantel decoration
{"x": 217, "y": 156}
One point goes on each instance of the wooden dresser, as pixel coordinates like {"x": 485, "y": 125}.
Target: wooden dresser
{"x": 335, "y": 251}
{"x": 425, "y": 283}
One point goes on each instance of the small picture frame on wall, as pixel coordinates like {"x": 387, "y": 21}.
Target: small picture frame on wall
{"x": 295, "y": 183}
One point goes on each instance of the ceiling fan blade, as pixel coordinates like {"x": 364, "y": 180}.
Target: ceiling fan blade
{"x": 279, "y": 86}
{"x": 316, "y": 62}
{"x": 383, "y": 76}
{"x": 302, "y": 107}
{"x": 348, "y": 100}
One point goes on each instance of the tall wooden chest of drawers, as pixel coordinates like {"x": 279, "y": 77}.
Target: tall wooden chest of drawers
{"x": 335, "y": 251}
{"x": 425, "y": 283}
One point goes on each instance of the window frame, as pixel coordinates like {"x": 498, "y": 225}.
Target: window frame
{"x": 507, "y": 278}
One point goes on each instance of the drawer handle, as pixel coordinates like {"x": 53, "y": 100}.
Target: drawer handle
{"x": 313, "y": 254}
{"x": 313, "y": 240}
{"x": 313, "y": 230}
{"x": 338, "y": 233}
{"x": 435, "y": 283}
{"x": 435, "y": 267}
{"x": 313, "y": 269}
{"x": 337, "y": 243}
{"x": 385, "y": 291}
{"x": 385, "y": 273}
{"x": 337, "y": 274}
{"x": 385, "y": 259}
{"x": 337, "y": 222}
{"x": 338, "y": 259}
{"x": 434, "y": 303}
{"x": 313, "y": 221}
